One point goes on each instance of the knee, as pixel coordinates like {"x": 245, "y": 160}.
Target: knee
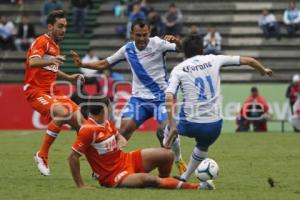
{"x": 61, "y": 112}
{"x": 168, "y": 156}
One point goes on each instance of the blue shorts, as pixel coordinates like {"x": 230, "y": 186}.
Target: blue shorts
{"x": 205, "y": 134}
{"x": 140, "y": 110}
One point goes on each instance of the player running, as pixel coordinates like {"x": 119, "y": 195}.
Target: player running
{"x": 101, "y": 143}
{"x": 146, "y": 57}
{"x": 199, "y": 79}
{"x": 42, "y": 69}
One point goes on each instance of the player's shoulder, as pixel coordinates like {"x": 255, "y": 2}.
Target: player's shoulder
{"x": 157, "y": 41}
{"x": 40, "y": 40}
{"x": 195, "y": 60}
{"x": 87, "y": 127}
{"x": 126, "y": 45}
{"x": 111, "y": 126}
{"x": 156, "y": 38}
{"x": 179, "y": 68}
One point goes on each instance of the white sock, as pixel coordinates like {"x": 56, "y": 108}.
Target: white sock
{"x": 175, "y": 146}
{"x": 196, "y": 158}
{"x": 176, "y": 149}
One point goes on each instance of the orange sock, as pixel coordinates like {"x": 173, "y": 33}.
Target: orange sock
{"x": 172, "y": 183}
{"x": 50, "y": 136}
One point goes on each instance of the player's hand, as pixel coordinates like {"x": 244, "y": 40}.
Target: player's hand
{"x": 171, "y": 38}
{"x": 268, "y": 72}
{"x": 170, "y": 138}
{"x": 58, "y": 60}
{"x": 76, "y": 58}
{"x": 77, "y": 77}
{"x": 121, "y": 141}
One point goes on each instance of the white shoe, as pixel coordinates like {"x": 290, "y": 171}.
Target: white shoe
{"x": 207, "y": 185}
{"x": 42, "y": 164}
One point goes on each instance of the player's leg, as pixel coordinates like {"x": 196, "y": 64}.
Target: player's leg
{"x": 128, "y": 126}
{"x": 205, "y": 134}
{"x": 134, "y": 114}
{"x": 76, "y": 120}
{"x": 179, "y": 162}
{"x": 162, "y": 118}
{"x": 160, "y": 158}
{"x": 76, "y": 117}
{"x": 59, "y": 113}
{"x": 142, "y": 180}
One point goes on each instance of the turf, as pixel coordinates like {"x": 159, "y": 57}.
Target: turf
{"x": 246, "y": 162}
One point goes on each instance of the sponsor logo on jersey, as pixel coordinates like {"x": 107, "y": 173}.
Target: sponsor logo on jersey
{"x": 193, "y": 68}
{"x": 53, "y": 68}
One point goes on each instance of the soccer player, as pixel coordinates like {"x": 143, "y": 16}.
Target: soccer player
{"x": 101, "y": 143}
{"x": 199, "y": 79}
{"x": 146, "y": 57}
{"x": 42, "y": 69}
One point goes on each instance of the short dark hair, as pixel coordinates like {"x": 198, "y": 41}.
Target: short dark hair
{"x": 172, "y": 5}
{"x": 140, "y": 22}
{"x": 89, "y": 49}
{"x": 254, "y": 89}
{"x": 52, "y": 16}
{"x": 97, "y": 104}
{"x": 192, "y": 46}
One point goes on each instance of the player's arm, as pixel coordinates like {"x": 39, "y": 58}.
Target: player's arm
{"x": 121, "y": 141}
{"x": 80, "y": 147}
{"x": 72, "y": 77}
{"x": 173, "y": 39}
{"x": 255, "y": 64}
{"x": 170, "y": 106}
{"x": 74, "y": 164}
{"x": 170, "y": 93}
{"x": 37, "y": 61}
{"x": 98, "y": 65}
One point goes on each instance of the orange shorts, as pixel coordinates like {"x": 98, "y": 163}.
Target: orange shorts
{"x": 131, "y": 163}
{"x": 42, "y": 102}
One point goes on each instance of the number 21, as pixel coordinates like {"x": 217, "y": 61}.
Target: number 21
{"x": 200, "y": 83}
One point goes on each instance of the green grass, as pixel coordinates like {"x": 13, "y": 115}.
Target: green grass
{"x": 245, "y": 160}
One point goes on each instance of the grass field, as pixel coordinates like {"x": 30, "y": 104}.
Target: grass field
{"x": 246, "y": 162}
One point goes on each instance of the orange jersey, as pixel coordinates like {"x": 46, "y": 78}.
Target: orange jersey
{"x": 99, "y": 144}
{"x": 41, "y": 77}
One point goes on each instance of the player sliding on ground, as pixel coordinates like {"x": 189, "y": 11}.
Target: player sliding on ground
{"x": 199, "y": 79}
{"x": 42, "y": 69}
{"x": 146, "y": 57}
{"x": 101, "y": 143}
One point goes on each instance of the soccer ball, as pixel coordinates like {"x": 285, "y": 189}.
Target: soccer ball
{"x": 208, "y": 169}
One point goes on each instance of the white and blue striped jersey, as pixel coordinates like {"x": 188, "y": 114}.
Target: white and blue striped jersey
{"x": 199, "y": 79}
{"x": 148, "y": 67}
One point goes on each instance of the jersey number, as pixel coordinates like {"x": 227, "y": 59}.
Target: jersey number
{"x": 200, "y": 83}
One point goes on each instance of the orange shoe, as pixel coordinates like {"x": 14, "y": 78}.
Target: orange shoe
{"x": 181, "y": 166}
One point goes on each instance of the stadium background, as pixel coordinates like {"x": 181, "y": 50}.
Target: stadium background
{"x": 236, "y": 20}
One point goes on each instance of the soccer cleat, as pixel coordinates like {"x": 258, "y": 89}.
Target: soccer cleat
{"x": 207, "y": 185}
{"x": 160, "y": 136}
{"x": 181, "y": 166}
{"x": 42, "y": 164}
{"x": 179, "y": 178}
